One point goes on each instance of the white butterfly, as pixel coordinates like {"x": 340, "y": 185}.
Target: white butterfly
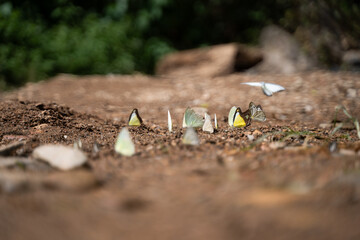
{"x": 169, "y": 122}
{"x": 190, "y": 137}
{"x": 207, "y": 127}
{"x": 215, "y": 122}
{"x": 268, "y": 88}
{"x": 231, "y": 116}
{"x": 78, "y": 144}
{"x": 192, "y": 119}
{"x": 124, "y": 145}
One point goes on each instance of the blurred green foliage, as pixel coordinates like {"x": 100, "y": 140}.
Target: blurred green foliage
{"x": 39, "y": 39}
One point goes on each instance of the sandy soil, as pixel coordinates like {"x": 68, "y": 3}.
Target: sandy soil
{"x": 284, "y": 184}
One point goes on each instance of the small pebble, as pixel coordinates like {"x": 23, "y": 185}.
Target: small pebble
{"x": 250, "y": 137}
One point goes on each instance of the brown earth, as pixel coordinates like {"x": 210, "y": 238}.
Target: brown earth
{"x": 285, "y": 184}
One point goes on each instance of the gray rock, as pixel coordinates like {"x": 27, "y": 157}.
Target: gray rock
{"x": 59, "y": 156}
{"x": 281, "y": 53}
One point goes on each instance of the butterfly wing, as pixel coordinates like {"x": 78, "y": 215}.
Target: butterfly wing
{"x": 207, "y": 127}
{"x": 231, "y": 116}
{"x": 134, "y": 119}
{"x": 124, "y": 145}
{"x": 184, "y": 122}
{"x": 272, "y": 87}
{"x": 192, "y": 119}
{"x": 190, "y": 137}
{"x": 252, "y": 108}
{"x": 254, "y": 84}
{"x": 239, "y": 121}
{"x": 169, "y": 122}
{"x": 256, "y": 112}
{"x": 215, "y": 122}
{"x": 259, "y": 114}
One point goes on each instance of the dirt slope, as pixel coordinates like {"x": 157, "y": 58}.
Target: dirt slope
{"x": 287, "y": 186}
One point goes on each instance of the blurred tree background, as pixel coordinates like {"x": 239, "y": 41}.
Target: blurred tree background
{"x": 39, "y": 39}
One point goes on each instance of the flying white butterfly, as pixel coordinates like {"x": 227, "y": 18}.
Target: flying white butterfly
{"x": 207, "y": 127}
{"x": 268, "y": 88}
{"x": 124, "y": 145}
{"x": 190, "y": 137}
{"x": 169, "y": 122}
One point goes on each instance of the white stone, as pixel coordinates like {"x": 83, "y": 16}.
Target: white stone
{"x": 59, "y": 156}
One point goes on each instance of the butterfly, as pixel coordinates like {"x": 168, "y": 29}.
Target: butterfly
{"x": 190, "y": 137}
{"x": 231, "y": 116}
{"x": 192, "y": 119}
{"x": 256, "y": 112}
{"x": 169, "y": 122}
{"x": 215, "y": 122}
{"x": 239, "y": 119}
{"x": 124, "y": 145}
{"x": 135, "y": 119}
{"x": 268, "y": 88}
{"x": 207, "y": 127}
{"x": 78, "y": 144}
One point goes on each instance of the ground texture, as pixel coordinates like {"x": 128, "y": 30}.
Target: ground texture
{"x": 272, "y": 180}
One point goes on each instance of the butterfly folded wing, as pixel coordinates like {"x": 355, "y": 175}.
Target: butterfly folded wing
{"x": 207, "y": 127}
{"x": 192, "y": 119}
{"x": 231, "y": 116}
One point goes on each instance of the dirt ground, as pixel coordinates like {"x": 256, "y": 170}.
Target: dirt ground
{"x": 283, "y": 184}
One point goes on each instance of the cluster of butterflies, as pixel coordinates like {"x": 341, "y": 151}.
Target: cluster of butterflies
{"x": 192, "y": 120}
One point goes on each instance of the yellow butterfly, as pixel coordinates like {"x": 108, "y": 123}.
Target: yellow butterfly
{"x": 239, "y": 119}
{"x": 135, "y": 119}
